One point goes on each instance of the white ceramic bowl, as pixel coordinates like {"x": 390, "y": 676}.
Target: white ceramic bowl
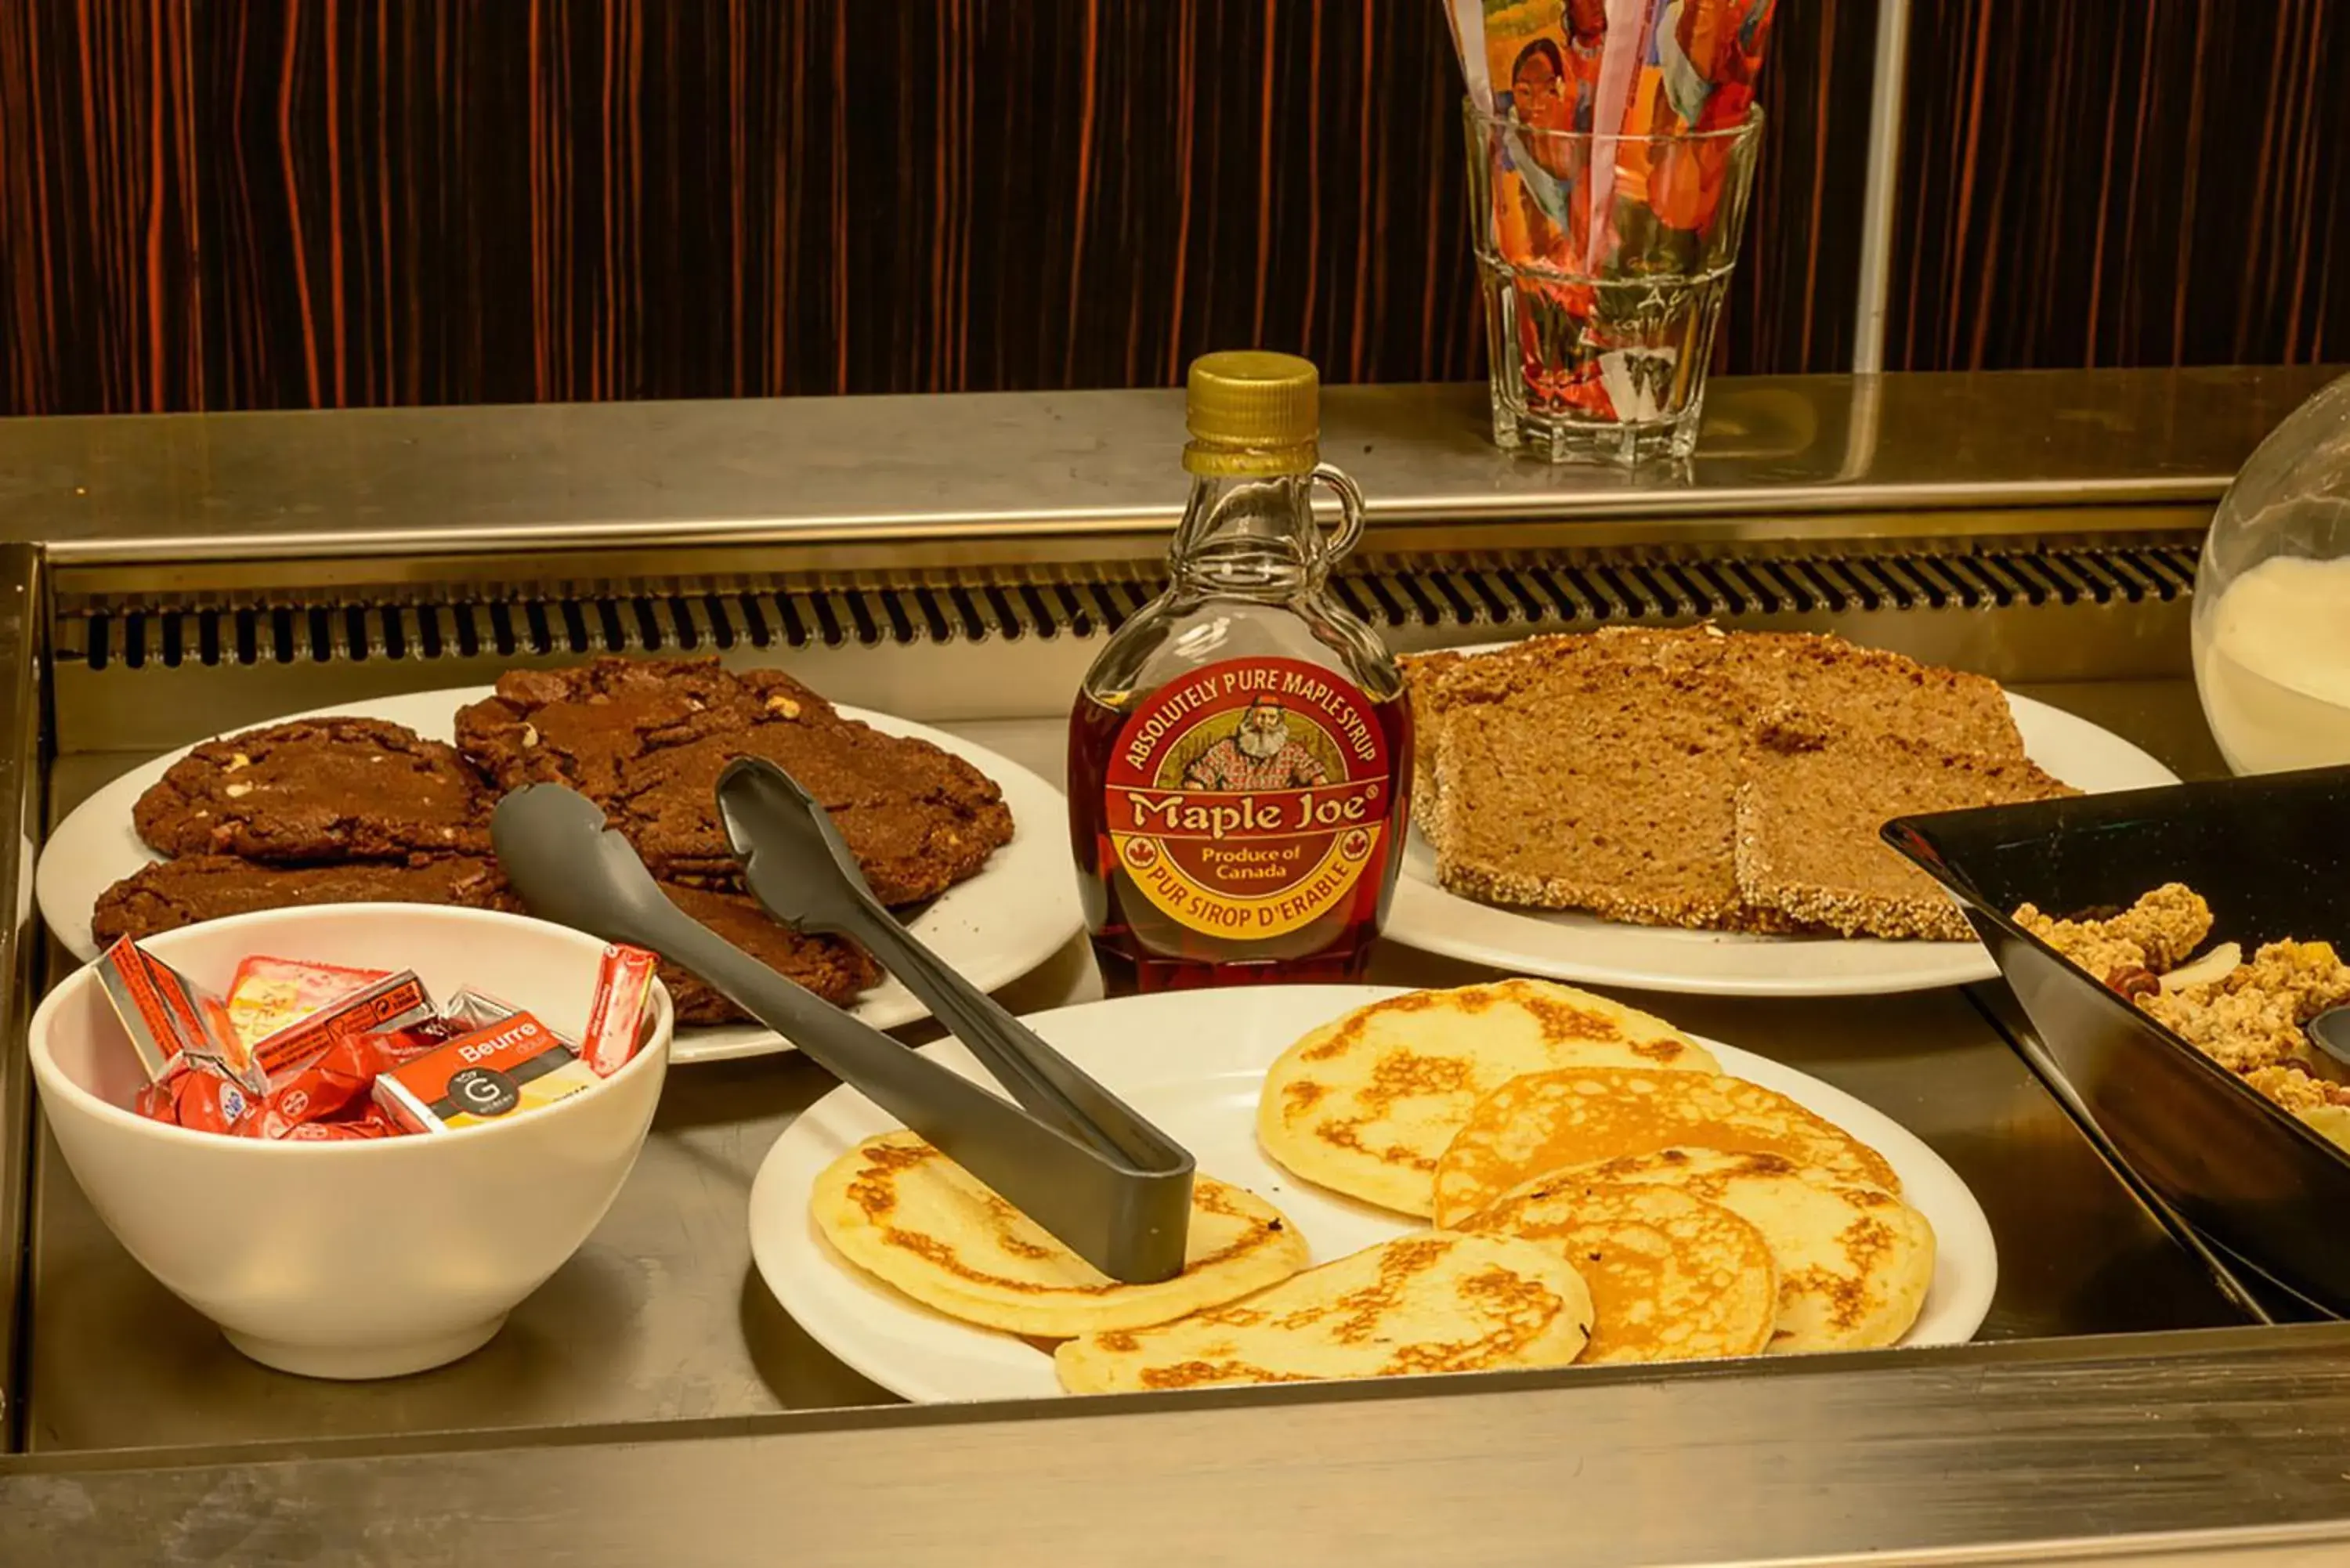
{"x": 363, "y": 1259}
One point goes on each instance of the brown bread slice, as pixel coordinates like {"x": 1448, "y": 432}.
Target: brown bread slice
{"x": 1602, "y": 771}
{"x": 1423, "y": 679}
{"x": 1598, "y": 772}
{"x": 1442, "y": 682}
{"x": 1429, "y": 684}
{"x": 1811, "y": 800}
{"x": 1869, "y": 692}
{"x": 1592, "y": 786}
{"x": 1512, "y": 671}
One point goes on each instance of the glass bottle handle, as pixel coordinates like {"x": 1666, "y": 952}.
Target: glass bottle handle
{"x": 1349, "y": 532}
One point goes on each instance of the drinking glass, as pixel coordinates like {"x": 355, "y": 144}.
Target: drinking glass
{"x": 1604, "y": 261}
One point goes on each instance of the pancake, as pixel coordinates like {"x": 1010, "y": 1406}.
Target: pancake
{"x": 1428, "y": 1303}
{"x": 1672, "y": 1277}
{"x": 1366, "y": 1104}
{"x": 1853, "y": 1262}
{"x": 903, "y": 1213}
{"x": 1546, "y": 1122}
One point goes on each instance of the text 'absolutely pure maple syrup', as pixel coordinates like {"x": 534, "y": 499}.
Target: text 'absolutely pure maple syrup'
{"x": 1240, "y": 754}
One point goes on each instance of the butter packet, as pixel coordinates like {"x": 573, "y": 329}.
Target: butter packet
{"x": 269, "y": 994}
{"x": 515, "y": 1066}
{"x": 171, "y": 1021}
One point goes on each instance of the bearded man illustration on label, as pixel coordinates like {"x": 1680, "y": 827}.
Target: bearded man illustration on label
{"x": 1259, "y": 755}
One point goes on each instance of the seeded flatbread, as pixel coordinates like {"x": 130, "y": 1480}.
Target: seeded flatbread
{"x": 1672, "y": 1277}
{"x": 1603, "y": 772}
{"x": 1547, "y": 1122}
{"x": 1811, "y": 796}
{"x": 1853, "y": 1262}
{"x": 1425, "y": 1304}
{"x": 903, "y": 1213}
{"x": 1366, "y": 1104}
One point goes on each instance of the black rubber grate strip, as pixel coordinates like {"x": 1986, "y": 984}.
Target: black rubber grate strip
{"x": 1504, "y": 593}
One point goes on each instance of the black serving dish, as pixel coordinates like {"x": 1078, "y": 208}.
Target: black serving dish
{"x": 2271, "y": 856}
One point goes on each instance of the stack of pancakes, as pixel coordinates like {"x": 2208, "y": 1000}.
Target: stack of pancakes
{"x": 1710, "y": 1216}
{"x": 347, "y": 810}
{"x": 1245, "y": 1309}
{"x": 1599, "y": 1192}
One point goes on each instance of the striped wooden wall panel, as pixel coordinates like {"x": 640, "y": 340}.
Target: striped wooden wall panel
{"x": 2090, "y": 182}
{"x": 239, "y": 203}
{"x": 250, "y": 203}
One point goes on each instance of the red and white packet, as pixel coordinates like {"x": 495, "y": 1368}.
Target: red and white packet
{"x": 337, "y": 1087}
{"x": 206, "y": 1101}
{"x": 172, "y": 1023}
{"x": 268, "y": 994}
{"x": 616, "y": 1017}
{"x": 391, "y": 1005}
{"x": 327, "y": 1072}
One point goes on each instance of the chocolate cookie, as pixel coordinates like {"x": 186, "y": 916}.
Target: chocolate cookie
{"x": 582, "y": 726}
{"x": 183, "y": 892}
{"x": 319, "y": 790}
{"x": 833, "y": 968}
{"x": 647, "y": 741}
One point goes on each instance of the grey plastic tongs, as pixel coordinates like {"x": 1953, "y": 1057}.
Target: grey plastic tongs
{"x": 1069, "y": 1155}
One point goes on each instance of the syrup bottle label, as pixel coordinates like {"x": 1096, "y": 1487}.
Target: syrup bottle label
{"x": 1249, "y": 798}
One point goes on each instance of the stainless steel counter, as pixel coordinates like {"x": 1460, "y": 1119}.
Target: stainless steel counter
{"x": 2031, "y": 1453}
{"x": 188, "y": 488}
{"x": 661, "y": 1317}
{"x": 653, "y": 1403}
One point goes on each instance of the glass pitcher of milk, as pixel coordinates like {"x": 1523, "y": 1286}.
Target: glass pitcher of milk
{"x": 2272, "y": 599}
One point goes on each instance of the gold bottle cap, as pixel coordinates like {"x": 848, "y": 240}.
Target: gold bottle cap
{"x": 1252, "y": 412}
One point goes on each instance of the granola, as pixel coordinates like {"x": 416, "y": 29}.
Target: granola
{"x": 2155, "y": 934}
{"x": 2299, "y": 1093}
{"x": 2253, "y": 1018}
{"x": 2256, "y": 1016}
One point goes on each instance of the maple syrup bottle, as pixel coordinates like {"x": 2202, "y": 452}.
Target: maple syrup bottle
{"x": 1240, "y": 755}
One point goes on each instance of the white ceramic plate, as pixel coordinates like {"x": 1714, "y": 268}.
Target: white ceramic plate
{"x": 1733, "y": 963}
{"x": 993, "y": 928}
{"x": 1192, "y": 1062}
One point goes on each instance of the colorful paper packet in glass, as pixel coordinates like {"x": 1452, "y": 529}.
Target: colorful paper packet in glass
{"x": 1543, "y": 65}
{"x": 1540, "y": 61}
{"x": 1634, "y": 69}
{"x": 1700, "y": 60}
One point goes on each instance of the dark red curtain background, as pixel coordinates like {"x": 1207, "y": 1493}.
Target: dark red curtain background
{"x": 263, "y": 203}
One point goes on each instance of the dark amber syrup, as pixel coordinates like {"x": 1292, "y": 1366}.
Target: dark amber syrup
{"x": 1140, "y": 948}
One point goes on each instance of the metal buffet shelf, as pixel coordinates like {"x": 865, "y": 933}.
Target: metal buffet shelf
{"x": 956, "y": 560}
